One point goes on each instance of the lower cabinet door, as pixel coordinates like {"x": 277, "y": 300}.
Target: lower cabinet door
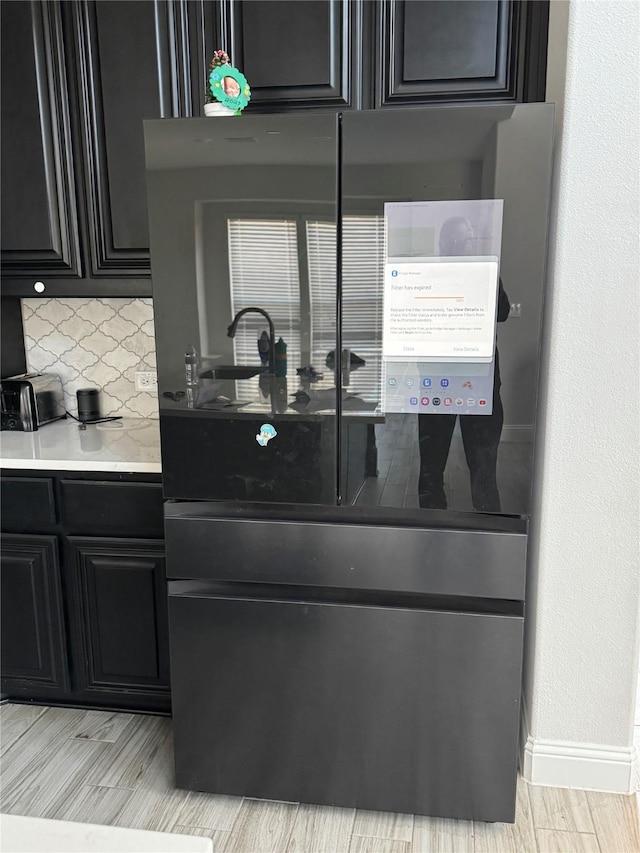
{"x": 118, "y": 604}
{"x": 374, "y": 707}
{"x": 33, "y": 650}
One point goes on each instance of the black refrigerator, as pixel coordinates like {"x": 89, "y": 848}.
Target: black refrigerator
{"x": 348, "y": 312}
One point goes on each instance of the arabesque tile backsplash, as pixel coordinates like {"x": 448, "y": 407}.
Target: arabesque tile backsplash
{"x": 98, "y": 343}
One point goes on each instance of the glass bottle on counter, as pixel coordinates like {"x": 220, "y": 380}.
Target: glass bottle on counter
{"x": 191, "y": 365}
{"x": 191, "y": 373}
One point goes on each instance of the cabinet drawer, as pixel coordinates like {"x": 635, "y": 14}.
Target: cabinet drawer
{"x": 365, "y": 557}
{"x": 112, "y": 509}
{"x": 28, "y": 504}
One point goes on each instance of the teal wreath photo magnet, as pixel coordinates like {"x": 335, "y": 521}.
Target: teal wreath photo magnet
{"x": 229, "y": 86}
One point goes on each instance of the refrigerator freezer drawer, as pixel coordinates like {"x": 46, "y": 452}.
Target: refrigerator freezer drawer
{"x": 413, "y": 560}
{"x": 392, "y": 709}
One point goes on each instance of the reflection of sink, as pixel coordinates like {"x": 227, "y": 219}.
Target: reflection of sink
{"x": 233, "y": 371}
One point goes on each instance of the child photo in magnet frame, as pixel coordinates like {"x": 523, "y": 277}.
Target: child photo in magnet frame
{"x": 217, "y": 85}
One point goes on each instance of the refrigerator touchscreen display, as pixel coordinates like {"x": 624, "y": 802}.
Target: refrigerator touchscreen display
{"x": 440, "y": 300}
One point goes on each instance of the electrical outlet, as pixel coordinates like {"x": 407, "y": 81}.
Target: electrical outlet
{"x": 516, "y": 309}
{"x": 146, "y": 380}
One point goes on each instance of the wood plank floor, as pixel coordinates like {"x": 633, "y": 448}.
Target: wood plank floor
{"x": 117, "y": 769}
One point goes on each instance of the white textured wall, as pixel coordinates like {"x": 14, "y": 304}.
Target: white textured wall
{"x": 582, "y": 641}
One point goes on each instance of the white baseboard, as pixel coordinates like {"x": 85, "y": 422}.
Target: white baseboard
{"x": 590, "y": 767}
{"x": 524, "y": 730}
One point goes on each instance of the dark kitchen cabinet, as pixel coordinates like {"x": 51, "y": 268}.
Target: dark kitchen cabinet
{"x": 361, "y": 54}
{"x": 74, "y": 194}
{"x": 84, "y": 607}
{"x": 40, "y": 230}
{"x": 460, "y": 51}
{"x": 127, "y": 71}
{"x": 119, "y": 611}
{"x": 34, "y": 649}
{"x": 79, "y": 78}
{"x": 300, "y": 55}
{"x": 28, "y": 504}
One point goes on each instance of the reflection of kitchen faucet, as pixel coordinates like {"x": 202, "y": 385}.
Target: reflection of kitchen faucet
{"x": 231, "y": 332}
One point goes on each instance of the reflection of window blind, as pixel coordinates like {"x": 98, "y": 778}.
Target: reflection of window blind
{"x": 321, "y": 260}
{"x": 362, "y": 288}
{"x": 263, "y": 272}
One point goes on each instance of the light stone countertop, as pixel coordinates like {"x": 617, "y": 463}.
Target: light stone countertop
{"x": 130, "y": 445}
{"x": 29, "y": 834}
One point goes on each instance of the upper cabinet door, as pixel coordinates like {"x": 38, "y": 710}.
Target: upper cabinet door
{"x": 39, "y": 222}
{"x": 294, "y": 55}
{"x": 128, "y": 58}
{"x": 461, "y": 50}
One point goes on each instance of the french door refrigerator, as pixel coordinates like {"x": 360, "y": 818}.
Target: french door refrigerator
{"x": 348, "y": 313}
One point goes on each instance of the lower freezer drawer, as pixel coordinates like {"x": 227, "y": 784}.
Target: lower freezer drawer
{"x": 382, "y": 708}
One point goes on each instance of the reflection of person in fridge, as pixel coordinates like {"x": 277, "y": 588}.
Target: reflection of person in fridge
{"x": 480, "y": 433}
{"x": 456, "y": 237}
{"x": 231, "y": 87}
